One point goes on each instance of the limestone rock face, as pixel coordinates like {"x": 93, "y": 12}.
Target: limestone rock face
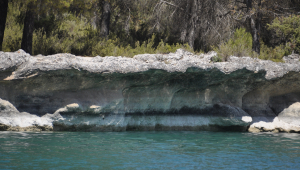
{"x": 11, "y": 119}
{"x": 276, "y": 125}
{"x": 7, "y": 108}
{"x": 292, "y": 58}
{"x": 287, "y": 121}
{"x": 291, "y": 115}
{"x": 176, "y": 91}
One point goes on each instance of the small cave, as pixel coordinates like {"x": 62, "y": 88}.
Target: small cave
{"x": 255, "y": 103}
{"x": 258, "y": 103}
{"x": 280, "y": 102}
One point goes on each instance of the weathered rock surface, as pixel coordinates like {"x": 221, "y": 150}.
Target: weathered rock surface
{"x": 291, "y": 115}
{"x": 34, "y": 128}
{"x": 276, "y": 125}
{"x": 176, "y": 91}
{"x": 12, "y": 120}
{"x": 291, "y": 58}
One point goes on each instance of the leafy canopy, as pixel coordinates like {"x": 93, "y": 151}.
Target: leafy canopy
{"x": 58, "y": 5}
{"x": 288, "y": 29}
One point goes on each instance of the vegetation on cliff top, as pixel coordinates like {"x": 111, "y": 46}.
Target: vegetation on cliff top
{"x": 266, "y": 29}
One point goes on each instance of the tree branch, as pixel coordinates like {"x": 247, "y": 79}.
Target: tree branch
{"x": 162, "y": 1}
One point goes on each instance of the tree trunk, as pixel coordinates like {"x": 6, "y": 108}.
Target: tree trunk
{"x": 94, "y": 21}
{"x": 184, "y": 23}
{"x": 256, "y": 29}
{"x": 255, "y": 32}
{"x": 95, "y": 18}
{"x": 255, "y": 25}
{"x": 248, "y": 4}
{"x": 3, "y": 14}
{"x": 105, "y": 19}
{"x": 26, "y": 44}
{"x": 192, "y": 24}
{"x": 187, "y": 32}
{"x": 127, "y": 24}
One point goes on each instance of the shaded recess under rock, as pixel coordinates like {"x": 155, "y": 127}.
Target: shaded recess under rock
{"x": 176, "y": 91}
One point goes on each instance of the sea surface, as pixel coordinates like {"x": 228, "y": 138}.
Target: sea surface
{"x": 149, "y": 150}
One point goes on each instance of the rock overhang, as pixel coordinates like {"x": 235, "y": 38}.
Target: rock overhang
{"x": 147, "y": 82}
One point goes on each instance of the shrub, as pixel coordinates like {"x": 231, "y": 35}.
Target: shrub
{"x": 49, "y": 45}
{"x": 73, "y": 34}
{"x": 111, "y": 47}
{"x": 13, "y": 30}
{"x": 288, "y": 30}
{"x": 275, "y": 54}
{"x": 239, "y": 45}
{"x": 12, "y": 38}
{"x": 216, "y": 58}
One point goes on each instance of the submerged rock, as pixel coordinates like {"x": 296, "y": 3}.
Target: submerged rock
{"x": 176, "y": 91}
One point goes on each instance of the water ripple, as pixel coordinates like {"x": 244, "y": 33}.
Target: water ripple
{"x": 149, "y": 150}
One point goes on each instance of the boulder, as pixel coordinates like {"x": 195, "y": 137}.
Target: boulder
{"x": 291, "y": 115}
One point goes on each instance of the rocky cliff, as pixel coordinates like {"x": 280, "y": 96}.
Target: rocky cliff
{"x": 176, "y": 91}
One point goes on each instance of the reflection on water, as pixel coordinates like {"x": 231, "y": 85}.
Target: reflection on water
{"x": 149, "y": 150}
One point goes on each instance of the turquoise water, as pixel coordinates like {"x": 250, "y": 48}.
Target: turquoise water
{"x": 149, "y": 150}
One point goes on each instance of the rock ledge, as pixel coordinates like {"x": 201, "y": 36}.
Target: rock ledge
{"x": 148, "y": 92}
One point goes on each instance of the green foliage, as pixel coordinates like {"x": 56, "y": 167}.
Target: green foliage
{"x": 216, "y": 58}
{"x": 110, "y": 47}
{"x": 70, "y": 33}
{"x": 74, "y": 36}
{"x": 135, "y": 27}
{"x": 275, "y": 54}
{"x": 69, "y": 36}
{"x": 58, "y": 5}
{"x": 13, "y": 31}
{"x": 288, "y": 30}
{"x": 12, "y": 38}
{"x": 239, "y": 45}
{"x": 48, "y": 45}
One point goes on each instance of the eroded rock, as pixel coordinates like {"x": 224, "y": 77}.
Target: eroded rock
{"x": 291, "y": 115}
{"x": 293, "y": 58}
{"x": 147, "y": 92}
{"x": 35, "y": 128}
{"x": 12, "y": 120}
{"x": 275, "y": 126}
{"x": 7, "y": 108}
